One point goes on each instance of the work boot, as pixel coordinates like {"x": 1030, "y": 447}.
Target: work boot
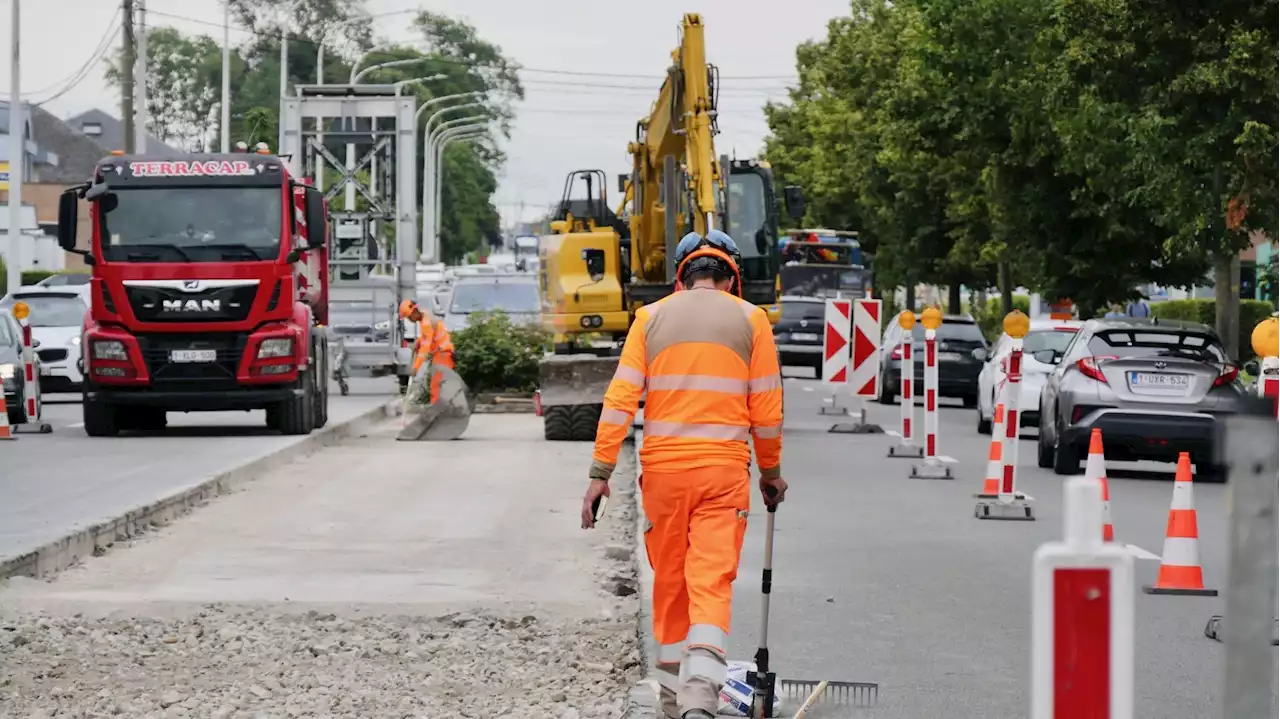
{"x": 698, "y": 714}
{"x": 670, "y": 710}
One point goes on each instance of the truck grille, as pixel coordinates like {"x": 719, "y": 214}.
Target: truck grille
{"x": 192, "y": 376}
{"x": 52, "y": 355}
{"x": 216, "y": 304}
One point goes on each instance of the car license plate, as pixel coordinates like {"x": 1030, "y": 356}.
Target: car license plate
{"x": 804, "y": 336}
{"x": 948, "y": 356}
{"x": 193, "y": 355}
{"x": 1152, "y": 380}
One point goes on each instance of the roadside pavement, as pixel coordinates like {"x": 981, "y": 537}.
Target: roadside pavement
{"x": 373, "y": 578}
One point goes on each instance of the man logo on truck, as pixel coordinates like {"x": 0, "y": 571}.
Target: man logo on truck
{"x": 192, "y": 305}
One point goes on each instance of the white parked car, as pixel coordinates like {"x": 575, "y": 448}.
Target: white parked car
{"x": 1044, "y": 334}
{"x": 57, "y": 319}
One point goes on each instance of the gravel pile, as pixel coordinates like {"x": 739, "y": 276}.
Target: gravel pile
{"x": 258, "y": 664}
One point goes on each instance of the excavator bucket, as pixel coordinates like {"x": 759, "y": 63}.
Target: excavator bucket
{"x": 444, "y": 420}
{"x": 571, "y": 391}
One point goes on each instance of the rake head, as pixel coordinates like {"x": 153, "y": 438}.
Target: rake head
{"x": 839, "y": 693}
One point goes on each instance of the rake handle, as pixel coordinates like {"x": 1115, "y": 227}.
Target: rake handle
{"x": 817, "y": 692}
{"x": 765, "y": 689}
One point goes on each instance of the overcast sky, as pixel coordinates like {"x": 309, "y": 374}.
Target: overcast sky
{"x": 566, "y": 122}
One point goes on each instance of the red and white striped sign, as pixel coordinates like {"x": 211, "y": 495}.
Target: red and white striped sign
{"x": 835, "y": 343}
{"x": 29, "y": 374}
{"x": 865, "y": 375}
{"x": 1082, "y": 617}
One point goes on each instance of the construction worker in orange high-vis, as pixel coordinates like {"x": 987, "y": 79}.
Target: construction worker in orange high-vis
{"x": 433, "y": 341}
{"x": 705, "y": 360}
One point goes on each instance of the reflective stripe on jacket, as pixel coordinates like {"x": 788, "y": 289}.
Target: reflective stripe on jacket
{"x": 708, "y": 364}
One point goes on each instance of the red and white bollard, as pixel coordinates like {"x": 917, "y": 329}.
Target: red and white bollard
{"x": 31, "y": 403}
{"x": 1082, "y": 617}
{"x": 933, "y": 468}
{"x": 1010, "y": 503}
{"x": 907, "y": 446}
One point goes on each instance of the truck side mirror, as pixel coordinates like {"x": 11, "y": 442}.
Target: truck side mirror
{"x": 317, "y": 226}
{"x": 793, "y": 197}
{"x": 68, "y": 215}
{"x": 595, "y": 263}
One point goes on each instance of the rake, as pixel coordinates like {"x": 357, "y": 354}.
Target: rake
{"x": 766, "y": 684}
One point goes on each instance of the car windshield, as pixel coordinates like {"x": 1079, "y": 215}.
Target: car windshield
{"x": 747, "y": 214}
{"x": 803, "y": 310}
{"x": 193, "y": 224}
{"x": 489, "y": 296}
{"x": 51, "y": 310}
{"x": 7, "y": 338}
{"x": 1158, "y": 344}
{"x": 953, "y": 331}
{"x": 64, "y": 280}
{"x": 1056, "y": 340}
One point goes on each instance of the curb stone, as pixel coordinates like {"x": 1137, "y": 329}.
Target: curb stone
{"x": 643, "y": 701}
{"x": 95, "y": 539}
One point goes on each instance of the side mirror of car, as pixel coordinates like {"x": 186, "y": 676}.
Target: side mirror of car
{"x": 1047, "y": 357}
{"x": 980, "y": 354}
{"x": 1253, "y": 368}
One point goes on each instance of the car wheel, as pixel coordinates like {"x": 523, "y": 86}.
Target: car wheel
{"x": 970, "y": 401}
{"x": 1044, "y": 452}
{"x": 1211, "y": 472}
{"x": 886, "y": 390}
{"x": 16, "y": 417}
{"x": 984, "y": 424}
{"x": 1066, "y": 459}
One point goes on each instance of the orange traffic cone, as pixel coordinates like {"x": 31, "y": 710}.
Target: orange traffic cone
{"x": 6, "y": 431}
{"x": 995, "y": 463}
{"x": 1180, "y": 571}
{"x": 1095, "y": 468}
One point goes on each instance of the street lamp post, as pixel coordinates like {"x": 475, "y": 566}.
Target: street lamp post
{"x": 226, "y": 76}
{"x": 428, "y": 169}
{"x": 458, "y": 134}
{"x": 349, "y": 199}
{"x": 426, "y": 157}
{"x": 431, "y": 221}
{"x": 17, "y": 156}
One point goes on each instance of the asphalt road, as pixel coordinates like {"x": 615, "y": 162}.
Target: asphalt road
{"x": 882, "y": 578}
{"x": 51, "y": 483}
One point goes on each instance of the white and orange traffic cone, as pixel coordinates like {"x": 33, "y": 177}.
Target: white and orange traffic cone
{"x": 1180, "y": 570}
{"x": 995, "y": 460}
{"x": 6, "y": 432}
{"x": 1095, "y": 468}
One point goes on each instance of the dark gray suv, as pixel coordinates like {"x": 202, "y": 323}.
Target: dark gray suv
{"x": 1154, "y": 387}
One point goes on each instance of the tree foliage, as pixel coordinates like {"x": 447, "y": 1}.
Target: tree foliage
{"x": 185, "y": 79}
{"x": 1089, "y": 145}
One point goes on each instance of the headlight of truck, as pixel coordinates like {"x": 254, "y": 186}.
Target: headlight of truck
{"x": 274, "y": 348}
{"x": 109, "y": 350}
{"x": 6, "y": 371}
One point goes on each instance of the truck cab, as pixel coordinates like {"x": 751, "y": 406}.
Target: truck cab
{"x": 206, "y": 291}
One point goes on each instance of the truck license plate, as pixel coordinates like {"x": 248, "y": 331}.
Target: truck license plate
{"x": 804, "y": 336}
{"x": 193, "y": 355}
{"x": 1151, "y": 380}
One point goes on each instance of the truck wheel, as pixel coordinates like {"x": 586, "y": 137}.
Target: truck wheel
{"x": 556, "y": 426}
{"x": 100, "y": 419}
{"x": 273, "y": 417}
{"x": 583, "y": 421}
{"x": 149, "y": 419}
{"x": 322, "y": 388}
{"x": 298, "y": 415}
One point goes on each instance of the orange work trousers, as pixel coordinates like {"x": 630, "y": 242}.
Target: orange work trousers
{"x": 697, "y": 522}
{"x": 439, "y": 359}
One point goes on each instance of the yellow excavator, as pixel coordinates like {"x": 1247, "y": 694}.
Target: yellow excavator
{"x": 599, "y": 265}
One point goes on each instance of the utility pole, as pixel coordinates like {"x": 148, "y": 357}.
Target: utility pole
{"x": 17, "y": 156}
{"x": 126, "y": 77}
{"x": 140, "y": 83}
{"x": 226, "y": 76}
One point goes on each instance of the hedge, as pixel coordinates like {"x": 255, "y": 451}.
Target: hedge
{"x": 492, "y": 354}
{"x": 1204, "y": 311}
{"x": 29, "y": 277}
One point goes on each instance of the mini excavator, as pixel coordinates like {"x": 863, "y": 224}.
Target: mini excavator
{"x": 598, "y": 265}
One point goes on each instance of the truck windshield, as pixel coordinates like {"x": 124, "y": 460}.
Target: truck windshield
{"x": 193, "y": 224}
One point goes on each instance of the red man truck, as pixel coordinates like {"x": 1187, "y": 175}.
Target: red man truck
{"x": 209, "y": 291}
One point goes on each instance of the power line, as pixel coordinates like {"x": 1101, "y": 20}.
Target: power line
{"x": 100, "y": 52}
{"x": 471, "y": 65}
{"x": 78, "y": 76}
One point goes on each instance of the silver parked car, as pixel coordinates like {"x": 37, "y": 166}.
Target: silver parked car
{"x": 514, "y": 294}
{"x": 1154, "y": 387}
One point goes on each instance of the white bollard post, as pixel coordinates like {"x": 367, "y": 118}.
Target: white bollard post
{"x": 30, "y": 385}
{"x": 1082, "y": 617}
{"x": 932, "y": 468}
{"x": 907, "y": 446}
{"x": 1009, "y": 502}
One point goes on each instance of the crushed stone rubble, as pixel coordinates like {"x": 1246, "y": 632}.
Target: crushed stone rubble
{"x": 233, "y": 664}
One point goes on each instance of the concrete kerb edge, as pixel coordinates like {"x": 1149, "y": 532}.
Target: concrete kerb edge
{"x": 644, "y": 702}
{"x": 70, "y": 549}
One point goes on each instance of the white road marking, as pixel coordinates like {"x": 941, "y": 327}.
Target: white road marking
{"x": 807, "y": 388}
{"x": 77, "y": 425}
{"x": 948, "y": 460}
{"x": 893, "y": 433}
{"x": 1141, "y": 553}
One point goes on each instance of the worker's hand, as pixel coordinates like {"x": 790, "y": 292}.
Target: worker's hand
{"x": 774, "y": 491}
{"x": 597, "y": 489}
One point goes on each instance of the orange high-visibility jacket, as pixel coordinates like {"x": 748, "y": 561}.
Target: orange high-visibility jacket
{"x": 707, "y": 361}
{"x": 433, "y": 341}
